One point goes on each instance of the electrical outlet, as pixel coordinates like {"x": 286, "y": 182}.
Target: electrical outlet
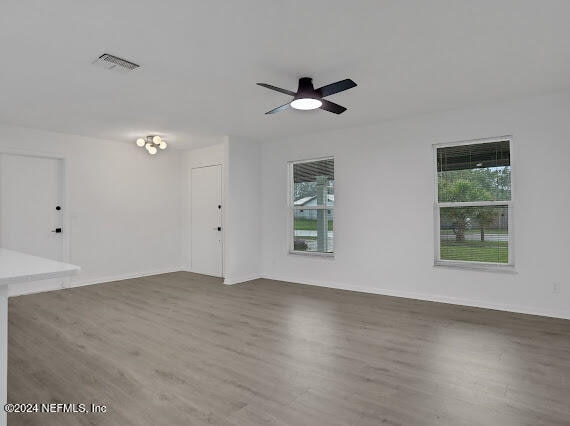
{"x": 555, "y": 288}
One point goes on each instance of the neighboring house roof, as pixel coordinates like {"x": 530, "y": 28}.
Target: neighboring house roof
{"x": 306, "y": 201}
{"x": 302, "y": 201}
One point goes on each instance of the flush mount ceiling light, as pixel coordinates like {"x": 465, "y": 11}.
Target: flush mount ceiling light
{"x": 152, "y": 143}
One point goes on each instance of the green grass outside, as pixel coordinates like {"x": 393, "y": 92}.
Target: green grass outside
{"x": 501, "y": 231}
{"x": 309, "y": 224}
{"x": 479, "y": 251}
{"x": 486, "y": 251}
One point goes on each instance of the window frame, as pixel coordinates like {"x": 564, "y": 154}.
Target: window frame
{"x": 466, "y": 264}
{"x": 291, "y": 210}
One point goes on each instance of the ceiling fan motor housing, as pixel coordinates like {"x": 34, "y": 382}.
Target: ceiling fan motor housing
{"x": 306, "y": 89}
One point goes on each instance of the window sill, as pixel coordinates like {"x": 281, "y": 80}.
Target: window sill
{"x": 476, "y": 266}
{"x": 311, "y": 253}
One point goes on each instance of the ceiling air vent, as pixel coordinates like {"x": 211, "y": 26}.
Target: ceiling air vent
{"x": 115, "y": 63}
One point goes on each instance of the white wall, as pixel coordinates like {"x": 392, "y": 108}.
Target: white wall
{"x": 123, "y": 206}
{"x": 202, "y": 157}
{"x": 128, "y": 212}
{"x": 243, "y": 211}
{"x": 384, "y": 208}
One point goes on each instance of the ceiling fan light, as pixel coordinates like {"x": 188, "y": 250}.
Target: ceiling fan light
{"x": 162, "y": 145}
{"x": 306, "y": 103}
{"x": 140, "y": 142}
{"x": 152, "y": 150}
{"x": 156, "y": 140}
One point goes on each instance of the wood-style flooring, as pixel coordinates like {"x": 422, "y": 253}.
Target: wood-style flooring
{"x": 183, "y": 349}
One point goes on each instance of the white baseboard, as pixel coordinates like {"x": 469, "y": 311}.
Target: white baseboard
{"x": 187, "y": 269}
{"x": 50, "y": 285}
{"x": 241, "y": 279}
{"x": 32, "y": 287}
{"x": 423, "y": 296}
{"x": 128, "y": 276}
{"x": 59, "y": 284}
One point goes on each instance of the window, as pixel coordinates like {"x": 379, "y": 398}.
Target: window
{"x": 473, "y": 208}
{"x": 311, "y": 204}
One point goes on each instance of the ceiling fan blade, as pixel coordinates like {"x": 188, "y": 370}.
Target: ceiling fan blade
{"x": 332, "y": 107}
{"x": 277, "y": 89}
{"x": 278, "y": 109}
{"x": 339, "y": 86}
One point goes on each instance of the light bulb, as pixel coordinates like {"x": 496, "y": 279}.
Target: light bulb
{"x": 306, "y": 103}
{"x": 152, "y": 150}
{"x": 156, "y": 139}
{"x": 140, "y": 142}
{"x": 162, "y": 145}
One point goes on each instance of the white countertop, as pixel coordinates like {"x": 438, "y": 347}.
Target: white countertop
{"x": 16, "y": 267}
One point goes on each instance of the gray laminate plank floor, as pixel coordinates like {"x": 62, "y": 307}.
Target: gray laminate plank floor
{"x": 183, "y": 349}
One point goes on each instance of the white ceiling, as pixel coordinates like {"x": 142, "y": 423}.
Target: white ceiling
{"x": 200, "y": 61}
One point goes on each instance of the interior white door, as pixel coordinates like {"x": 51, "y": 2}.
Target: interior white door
{"x": 206, "y": 221}
{"x": 30, "y": 192}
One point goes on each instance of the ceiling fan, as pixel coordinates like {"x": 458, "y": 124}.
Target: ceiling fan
{"x": 307, "y": 97}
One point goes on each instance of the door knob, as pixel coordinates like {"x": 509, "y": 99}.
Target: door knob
{"x": 57, "y": 230}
